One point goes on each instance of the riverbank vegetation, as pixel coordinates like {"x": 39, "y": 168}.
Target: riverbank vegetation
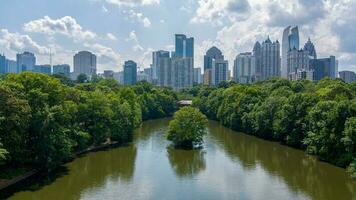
{"x": 187, "y": 128}
{"x": 317, "y": 117}
{"x": 45, "y": 120}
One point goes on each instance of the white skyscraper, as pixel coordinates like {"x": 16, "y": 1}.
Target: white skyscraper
{"x": 270, "y": 59}
{"x": 25, "y": 61}
{"x": 84, "y": 63}
{"x": 289, "y": 42}
{"x": 244, "y": 68}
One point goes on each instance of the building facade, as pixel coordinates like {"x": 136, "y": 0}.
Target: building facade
{"x": 298, "y": 65}
{"x": 163, "y": 64}
{"x": 212, "y": 54}
{"x": 84, "y": 63}
{"x": 130, "y": 72}
{"x": 25, "y": 61}
{"x": 197, "y": 79}
{"x": 325, "y": 67}
{"x": 184, "y": 47}
{"x": 270, "y": 59}
{"x": 182, "y": 73}
{"x": 244, "y": 68}
{"x": 62, "y": 69}
{"x": 310, "y": 48}
{"x": 220, "y": 72}
{"x": 42, "y": 69}
{"x": 348, "y": 76}
{"x": 11, "y": 66}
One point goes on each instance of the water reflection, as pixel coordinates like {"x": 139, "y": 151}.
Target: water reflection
{"x": 186, "y": 163}
{"x": 302, "y": 173}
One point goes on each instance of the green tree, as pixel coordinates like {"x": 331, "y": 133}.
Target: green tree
{"x": 187, "y": 128}
{"x": 82, "y": 78}
{"x": 3, "y": 153}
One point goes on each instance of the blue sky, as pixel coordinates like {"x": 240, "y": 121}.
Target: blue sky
{"x": 118, "y": 30}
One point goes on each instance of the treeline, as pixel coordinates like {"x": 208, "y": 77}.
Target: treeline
{"x": 318, "y": 117}
{"x": 45, "y": 120}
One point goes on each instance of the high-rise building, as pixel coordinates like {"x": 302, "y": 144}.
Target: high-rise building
{"x": 182, "y": 73}
{"x": 142, "y": 76}
{"x": 156, "y": 57}
{"x": 290, "y": 41}
{"x": 42, "y": 69}
{"x": 211, "y": 54}
{"x": 11, "y": 66}
{"x": 298, "y": 65}
{"x": 348, "y": 76}
{"x": 244, "y": 68}
{"x": 25, "y": 61}
{"x": 257, "y": 55}
{"x": 62, "y": 69}
{"x": 119, "y": 77}
{"x": 220, "y": 72}
{"x": 130, "y": 72}
{"x": 3, "y": 69}
{"x": 197, "y": 77}
{"x": 163, "y": 65}
{"x": 208, "y": 74}
{"x": 309, "y": 46}
{"x": 325, "y": 67}
{"x": 270, "y": 59}
{"x": 84, "y": 63}
{"x": 184, "y": 47}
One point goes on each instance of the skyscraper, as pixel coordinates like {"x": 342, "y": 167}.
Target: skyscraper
{"x": 2, "y": 64}
{"x": 220, "y": 71}
{"x": 289, "y": 42}
{"x": 244, "y": 68}
{"x": 62, "y": 69}
{"x": 271, "y": 60}
{"x": 197, "y": 76}
{"x": 298, "y": 65}
{"x": 84, "y": 63}
{"x": 163, "y": 65}
{"x": 11, "y": 66}
{"x": 324, "y": 67}
{"x": 309, "y": 46}
{"x": 25, "y": 61}
{"x": 348, "y": 76}
{"x": 184, "y": 47}
{"x": 211, "y": 54}
{"x": 130, "y": 73}
{"x": 257, "y": 55}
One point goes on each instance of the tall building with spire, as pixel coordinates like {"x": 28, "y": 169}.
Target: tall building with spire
{"x": 309, "y": 46}
{"x": 290, "y": 41}
{"x": 271, "y": 59}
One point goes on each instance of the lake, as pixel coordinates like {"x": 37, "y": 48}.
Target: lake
{"x": 231, "y": 165}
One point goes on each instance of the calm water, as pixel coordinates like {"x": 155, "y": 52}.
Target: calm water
{"x": 230, "y": 166}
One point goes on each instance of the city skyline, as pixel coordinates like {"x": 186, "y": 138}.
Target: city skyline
{"x": 129, "y": 31}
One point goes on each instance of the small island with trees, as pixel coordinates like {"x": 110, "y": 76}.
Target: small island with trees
{"x": 187, "y": 128}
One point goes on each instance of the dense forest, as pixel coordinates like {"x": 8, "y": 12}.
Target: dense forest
{"x": 45, "y": 120}
{"x": 318, "y": 117}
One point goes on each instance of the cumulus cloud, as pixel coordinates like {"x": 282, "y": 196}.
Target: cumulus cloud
{"x": 138, "y": 17}
{"x": 106, "y": 56}
{"x": 67, "y": 26}
{"x": 16, "y": 42}
{"x": 136, "y": 43}
{"x": 133, "y": 3}
{"x": 111, "y": 36}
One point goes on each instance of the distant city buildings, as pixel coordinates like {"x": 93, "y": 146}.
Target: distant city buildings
{"x": 130, "y": 72}
{"x": 197, "y": 77}
{"x": 84, "y": 63}
{"x": 348, "y": 76}
{"x": 220, "y": 72}
{"x": 3, "y": 68}
{"x": 215, "y": 67}
{"x": 298, "y": 65}
{"x": 245, "y": 68}
{"x": 42, "y": 69}
{"x": 163, "y": 67}
{"x": 63, "y": 69}
{"x": 11, "y": 66}
{"x": 25, "y": 61}
{"x": 108, "y": 74}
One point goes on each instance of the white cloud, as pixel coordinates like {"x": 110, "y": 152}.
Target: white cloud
{"x": 104, "y": 9}
{"x": 107, "y": 57}
{"x": 136, "y": 44}
{"x": 133, "y": 3}
{"x": 15, "y": 42}
{"x": 138, "y": 17}
{"x": 67, "y": 26}
{"x": 111, "y": 36}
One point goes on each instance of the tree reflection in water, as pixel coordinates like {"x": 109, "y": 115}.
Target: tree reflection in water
{"x": 186, "y": 163}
